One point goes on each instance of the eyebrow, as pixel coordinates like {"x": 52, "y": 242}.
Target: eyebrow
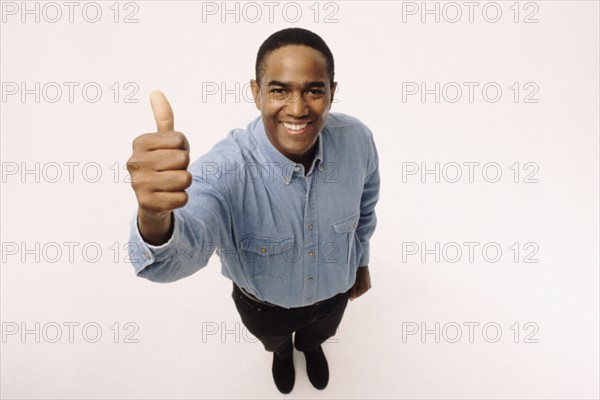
{"x": 288, "y": 84}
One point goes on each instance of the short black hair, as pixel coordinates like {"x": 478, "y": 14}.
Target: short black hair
{"x": 293, "y": 36}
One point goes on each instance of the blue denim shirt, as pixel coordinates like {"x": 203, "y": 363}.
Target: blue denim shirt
{"x": 286, "y": 237}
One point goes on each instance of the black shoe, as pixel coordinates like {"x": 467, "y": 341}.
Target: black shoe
{"x": 284, "y": 373}
{"x": 317, "y": 368}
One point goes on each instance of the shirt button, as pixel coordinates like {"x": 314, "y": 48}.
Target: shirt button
{"x": 311, "y": 253}
{"x": 287, "y": 179}
{"x": 354, "y": 225}
{"x": 309, "y": 227}
{"x": 263, "y": 249}
{"x": 310, "y": 279}
{"x": 308, "y": 298}
{"x": 297, "y": 168}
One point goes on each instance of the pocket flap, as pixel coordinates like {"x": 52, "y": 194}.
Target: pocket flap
{"x": 347, "y": 224}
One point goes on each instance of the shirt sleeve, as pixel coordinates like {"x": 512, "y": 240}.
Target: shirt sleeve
{"x": 369, "y": 198}
{"x": 198, "y": 231}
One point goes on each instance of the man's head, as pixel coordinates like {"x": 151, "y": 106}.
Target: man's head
{"x": 294, "y": 89}
{"x": 288, "y": 37}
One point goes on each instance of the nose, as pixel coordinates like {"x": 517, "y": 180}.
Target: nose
{"x": 296, "y": 105}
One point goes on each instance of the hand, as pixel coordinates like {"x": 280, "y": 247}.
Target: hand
{"x": 362, "y": 283}
{"x": 158, "y": 170}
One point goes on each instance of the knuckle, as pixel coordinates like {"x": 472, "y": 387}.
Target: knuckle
{"x": 135, "y": 143}
{"x": 146, "y": 203}
{"x": 139, "y": 141}
{"x": 180, "y": 140}
{"x": 184, "y": 198}
{"x": 179, "y": 199}
{"x": 184, "y": 156}
{"x": 139, "y": 182}
{"x": 136, "y": 184}
{"x": 132, "y": 165}
{"x": 187, "y": 179}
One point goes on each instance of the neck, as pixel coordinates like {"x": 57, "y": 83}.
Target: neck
{"x": 305, "y": 159}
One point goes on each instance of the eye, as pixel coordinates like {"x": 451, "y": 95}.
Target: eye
{"x": 277, "y": 90}
{"x": 316, "y": 92}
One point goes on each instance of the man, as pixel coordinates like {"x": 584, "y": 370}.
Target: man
{"x": 287, "y": 204}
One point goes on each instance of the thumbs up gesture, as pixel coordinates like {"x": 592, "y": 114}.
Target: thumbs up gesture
{"x": 158, "y": 169}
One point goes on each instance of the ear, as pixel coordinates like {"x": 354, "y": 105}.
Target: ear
{"x": 333, "y": 89}
{"x": 255, "y": 93}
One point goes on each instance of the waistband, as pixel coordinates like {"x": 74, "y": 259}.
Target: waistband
{"x": 253, "y": 298}
{"x": 265, "y": 303}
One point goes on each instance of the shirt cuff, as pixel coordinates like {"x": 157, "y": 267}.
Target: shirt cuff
{"x": 143, "y": 254}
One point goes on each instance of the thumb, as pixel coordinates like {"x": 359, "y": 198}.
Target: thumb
{"x": 163, "y": 113}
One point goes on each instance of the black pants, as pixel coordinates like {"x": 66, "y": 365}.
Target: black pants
{"x": 274, "y": 325}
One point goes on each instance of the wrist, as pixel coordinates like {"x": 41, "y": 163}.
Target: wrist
{"x": 155, "y": 229}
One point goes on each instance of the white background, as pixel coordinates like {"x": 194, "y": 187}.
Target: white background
{"x": 171, "y": 48}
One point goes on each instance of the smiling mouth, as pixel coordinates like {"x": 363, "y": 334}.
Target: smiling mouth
{"x": 295, "y": 129}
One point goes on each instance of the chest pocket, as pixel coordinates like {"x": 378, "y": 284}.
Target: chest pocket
{"x": 266, "y": 256}
{"x": 345, "y": 229}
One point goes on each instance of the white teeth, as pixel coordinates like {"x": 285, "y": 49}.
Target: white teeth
{"x": 294, "y": 127}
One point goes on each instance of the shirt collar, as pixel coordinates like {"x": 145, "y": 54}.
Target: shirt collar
{"x": 285, "y": 168}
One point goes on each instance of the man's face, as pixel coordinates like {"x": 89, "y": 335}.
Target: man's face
{"x": 294, "y": 98}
